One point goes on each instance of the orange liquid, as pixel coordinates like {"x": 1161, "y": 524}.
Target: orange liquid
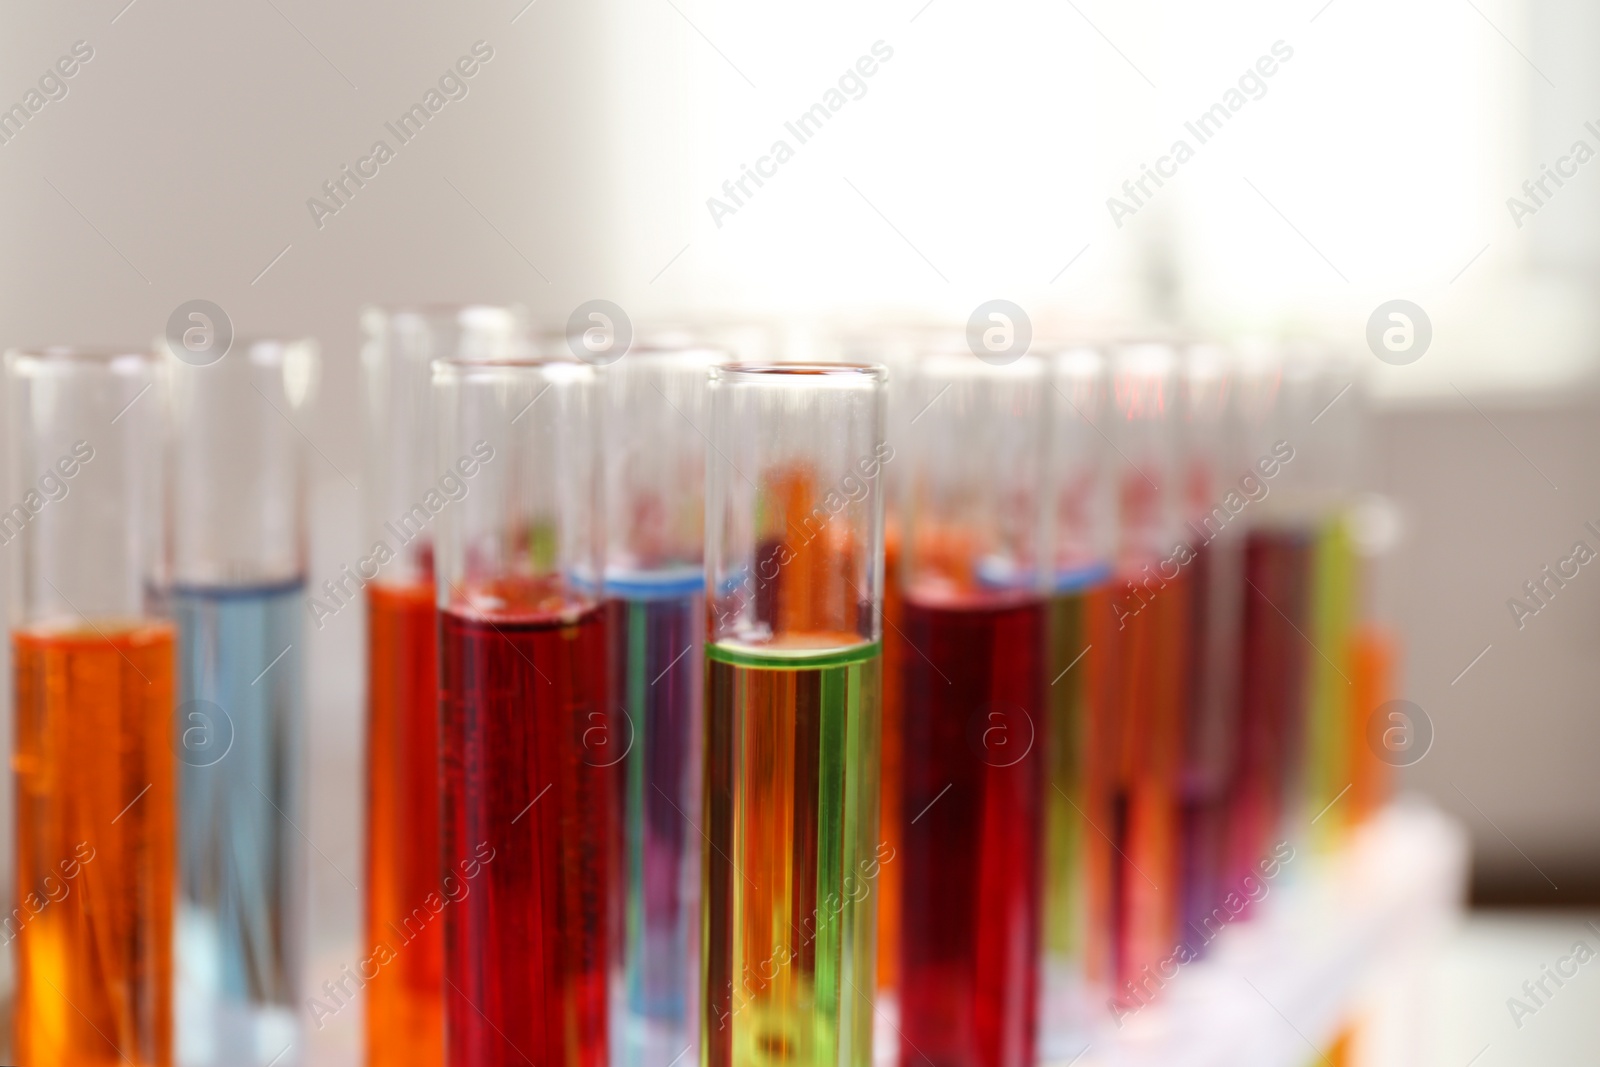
{"x": 405, "y": 1007}
{"x": 96, "y": 845}
{"x": 891, "y": 784}
{"x": 1135, "y": 744}
{"x": 1372, "y": 656}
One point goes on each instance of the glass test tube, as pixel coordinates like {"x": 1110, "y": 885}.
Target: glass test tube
{"x": 655, "y": 582}
{"x": 1335, "y": 725}
{"x": 794, "y": 565}
{"x": 895, "y": 348}
{"x": 1218, "y": 485}
{"x": 1273, "y": 655}
{"x": 1139, "y": 744}
{"x": 93, "y": 667}
{"x": 529, "y": 806}
{"x": 1076, "y": 675}
{"x": 405, "y": 487}
{"x": 238, "y": 564}
{"x": 975, "y": 574}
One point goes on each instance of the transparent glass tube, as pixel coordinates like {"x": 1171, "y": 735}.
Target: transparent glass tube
{"x": 1083, "y": 489}
{"x": 976, "y": 574}
{"x": 794, "y": 568}
{"x": 93, "y": 669}
{"x": 1219, "y": 486}
{"x": 405, "y": 487}
{"x": 1266, "y": 775}
{"x": 1335, "y": 742}
{"x": 238, "y": 565}
{"x": 655, "y": 579}
{"x": 896, "y": 349}
{"x": 528, "y": 769}
{"x": 1136, "y": 746}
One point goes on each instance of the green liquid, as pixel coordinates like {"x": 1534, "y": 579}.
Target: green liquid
{"x": 788, "y": 932}
{"x": 1329, "y": 691}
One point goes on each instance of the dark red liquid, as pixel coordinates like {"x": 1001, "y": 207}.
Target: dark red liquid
{"x": 970, "y": 823}
{"x": 530, "y": 817}
{"x": 1272, "y": 697}
{"x": 1209, "y": 696}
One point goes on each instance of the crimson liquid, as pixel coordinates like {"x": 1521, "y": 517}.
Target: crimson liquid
{"x": 530, "y": 821}
{"x": 1272, "y": 698}
{"x": 973, "y": 678}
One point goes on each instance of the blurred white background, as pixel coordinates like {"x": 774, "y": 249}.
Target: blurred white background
{"x": 976, "y": 164}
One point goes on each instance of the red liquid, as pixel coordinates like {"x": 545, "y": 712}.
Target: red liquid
{"x": 530, "y": 824}
{"x": 970, "y": 823}
{"x": 1272, "y": 697}
{"x": 1209, "y": 698}
{"x": 405, "y": 1008}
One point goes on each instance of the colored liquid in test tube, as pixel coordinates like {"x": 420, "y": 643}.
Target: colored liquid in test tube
{"x": 1077, "y": 673}
{"x": 1266, "y": 775}
{"x": 975, "y": 583}
{"x": 794, "y": 563}
{"x": 1137, "y": 745}
{"x": 238, "y": 597}
{"x": 404, "y": 883}
{"x": 895, "y": 348}
{"x": 1334, "y": 449}
{"x": 93, "y": 672}
{"x": 655, "y": 581}
{"x": 1217, "y": 484}
{"x": 530, "y": 812}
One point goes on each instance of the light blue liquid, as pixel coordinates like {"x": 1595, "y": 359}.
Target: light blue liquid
{"x": 656, "y": 622}
{"x": 239, "y": 744}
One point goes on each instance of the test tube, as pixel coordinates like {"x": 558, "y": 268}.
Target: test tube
{"x": 1076, "y": 675}
{"x": 1218, "y": 486}
{"x": 975, "y": 573}
{"x": 405, "y": 488}
{"x": 794, "y": 569}
{"x": 1334, "y": 454}
{"x": 1277, "y": 576}
{"x": 895, "y": 348}
{"x": 93, "y": 666}
{"x": 1137, "y": 747}
{"x": 528, "y": 777}
{"x": 238, "y": 550}
{"x": 655, "y": 582}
